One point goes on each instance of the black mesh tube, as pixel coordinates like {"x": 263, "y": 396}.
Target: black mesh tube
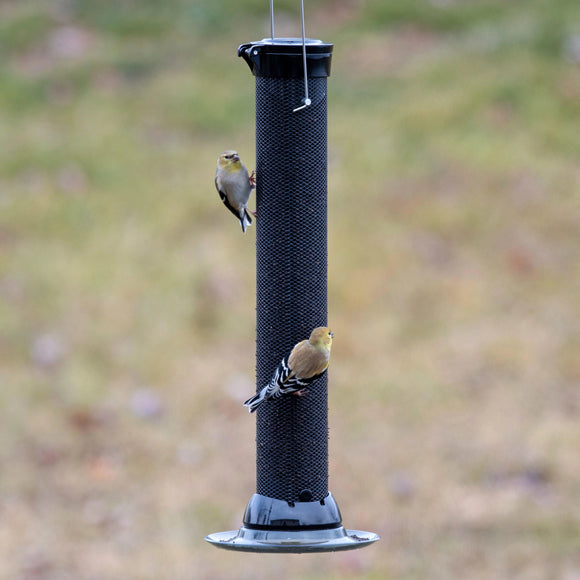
{"x": 291, "y": 260}
{"x": 292, "y": 433}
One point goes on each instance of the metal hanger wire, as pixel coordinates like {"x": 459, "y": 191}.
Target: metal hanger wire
{"x": 306, "y": 102}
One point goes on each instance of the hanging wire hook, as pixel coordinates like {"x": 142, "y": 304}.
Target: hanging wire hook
{"x": 306, "y": 102}
{"x": 272, "y": 19}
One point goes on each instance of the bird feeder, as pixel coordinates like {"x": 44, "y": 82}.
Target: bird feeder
{"x": 292, "y": 509}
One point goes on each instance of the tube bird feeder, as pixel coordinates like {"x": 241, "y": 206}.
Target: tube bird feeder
{"x": 292, "y": 509}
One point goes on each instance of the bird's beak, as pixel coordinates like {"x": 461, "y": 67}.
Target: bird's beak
{"x": 236, "y": 158}
{"x": 331, "y": 334}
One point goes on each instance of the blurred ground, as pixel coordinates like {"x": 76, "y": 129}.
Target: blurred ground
{"x": 127, "y": 291}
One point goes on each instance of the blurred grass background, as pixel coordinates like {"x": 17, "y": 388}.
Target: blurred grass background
{"x": 127, "y": 291}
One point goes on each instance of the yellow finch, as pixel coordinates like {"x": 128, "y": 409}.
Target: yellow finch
{"x": 307, "y": 361}
{"x": 234, "y": 186}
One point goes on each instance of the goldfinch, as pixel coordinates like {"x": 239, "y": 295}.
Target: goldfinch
{"x": 307, "y": 361}
{"x": 234, "y": 186}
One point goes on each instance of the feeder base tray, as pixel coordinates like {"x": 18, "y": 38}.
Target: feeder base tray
{"x": 276, "y": 541}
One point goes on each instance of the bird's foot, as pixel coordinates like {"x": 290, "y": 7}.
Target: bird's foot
{"x": 301, "y": 392}
{"x": 253, "y": 180}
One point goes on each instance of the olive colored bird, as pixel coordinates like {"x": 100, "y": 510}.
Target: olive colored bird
{"x": 234, "y": 186}
{"x": 307, "y": 361}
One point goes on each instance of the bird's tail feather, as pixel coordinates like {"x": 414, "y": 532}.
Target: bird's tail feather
{"x": 245, "y": 220}
{"x": 254, "y": 402}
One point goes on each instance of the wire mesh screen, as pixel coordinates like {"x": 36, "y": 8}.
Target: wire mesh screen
{"x": 291, "y": 247}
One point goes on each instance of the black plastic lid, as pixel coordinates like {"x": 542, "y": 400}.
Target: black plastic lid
{"x": 282, "y": 57}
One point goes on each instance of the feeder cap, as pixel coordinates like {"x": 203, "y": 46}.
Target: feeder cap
{"x": 283, "y": 58}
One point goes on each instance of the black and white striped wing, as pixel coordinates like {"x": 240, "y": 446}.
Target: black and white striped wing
{"x": 284, "y": 384}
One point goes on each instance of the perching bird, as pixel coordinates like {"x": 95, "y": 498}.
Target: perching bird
{"x": 234, "y": 186}
{"x": 308, "y": 360}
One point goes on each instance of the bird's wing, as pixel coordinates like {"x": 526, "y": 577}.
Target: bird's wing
{"x": 285, "y": 382}
{"x": 283, "y": 373}
{"x": 224, "y": 198}
{"x": 277, "y": 385}
{"x": 293, "y": 383}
